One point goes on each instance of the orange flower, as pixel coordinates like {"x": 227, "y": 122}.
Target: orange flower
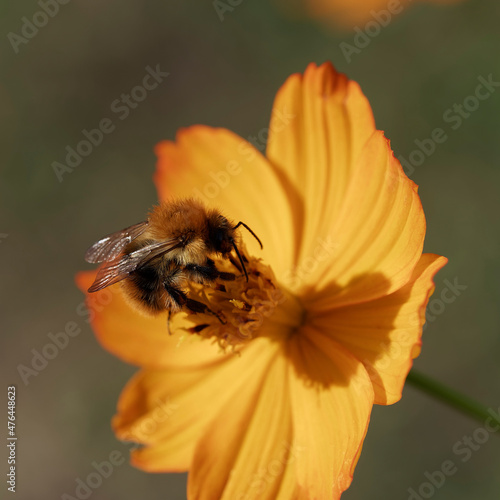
{"x": 349, "y": 13}
{"x": 275, "y": 404}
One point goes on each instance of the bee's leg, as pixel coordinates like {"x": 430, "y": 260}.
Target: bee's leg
{"x": 178, "y": 297}
{"x": 235, "y": 263}
{"x": 168, "y": 322}
{"x": 207, "y": 272}
{"x": 177, "y": 300}
{"x": 227, "y": 276}
{"x": 199, "y": 307}
{"x": 181, "y": 300}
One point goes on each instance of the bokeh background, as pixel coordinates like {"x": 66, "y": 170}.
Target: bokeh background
{"x": 226, "y": 73}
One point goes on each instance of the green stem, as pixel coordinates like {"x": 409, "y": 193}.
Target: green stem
{"x": 455, "y": 399}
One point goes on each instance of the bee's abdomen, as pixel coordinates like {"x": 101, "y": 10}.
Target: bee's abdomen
{"x": 146, "y": 287}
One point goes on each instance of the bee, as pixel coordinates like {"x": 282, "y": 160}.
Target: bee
{"x": 155, "y": 259}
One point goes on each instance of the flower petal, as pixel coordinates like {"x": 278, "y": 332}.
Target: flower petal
{"x": 331, "y": 403}
{"x": 385, "y": 333}
{"x": 379, "y": 235}
{"x": 139, "y": 339}
{"x": 226, "y": 172}
{"x": 169, "y": 410}
{"x": 360, "y": 221}
{"x": 320, "y": 123}
{"x": 247, "y": 452}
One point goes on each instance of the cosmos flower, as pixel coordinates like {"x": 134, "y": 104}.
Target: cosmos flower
{"x": 275, "y": 404}
{"x": 350, "y": 13}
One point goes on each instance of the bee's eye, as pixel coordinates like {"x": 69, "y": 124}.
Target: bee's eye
{"x": 220, "y": 236}
{"x": 219, "y": 230}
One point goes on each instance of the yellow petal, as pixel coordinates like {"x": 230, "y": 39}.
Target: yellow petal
{"x": 331, "y": 399}
{"x": 139, "y": 339}
{"x": 228, "y": 173}
{"x": 247, "y": 453}
{"x": 378, "y": 236}
{"x": 359, "y": 225}
{"x": 385, "y": 333}
{"x": 169, "y": 410}
{"x": 319, "y": 125}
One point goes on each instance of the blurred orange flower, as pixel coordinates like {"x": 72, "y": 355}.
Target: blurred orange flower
{"x": 327, "y": 325}
{"x": 349, "y": 13}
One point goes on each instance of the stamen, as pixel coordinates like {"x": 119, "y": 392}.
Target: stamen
{"x": 244, "y": 305}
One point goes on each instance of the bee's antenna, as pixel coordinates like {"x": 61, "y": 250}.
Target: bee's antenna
{"x": 251, "y": 232}
{"x": 239, "y": 257}
{"x": 168, "y": 322}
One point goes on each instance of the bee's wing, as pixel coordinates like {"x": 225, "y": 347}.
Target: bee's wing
{"x": 120, "y": 267}
{"x": 109, "y": 247}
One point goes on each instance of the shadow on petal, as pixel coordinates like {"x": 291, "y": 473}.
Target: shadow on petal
{"x": 385, "y": 334}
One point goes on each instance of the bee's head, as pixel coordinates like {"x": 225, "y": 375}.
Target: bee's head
{"x": 220, "y": 234}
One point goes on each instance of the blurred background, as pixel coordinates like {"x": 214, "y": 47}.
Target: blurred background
{"x": 65, "y": 79}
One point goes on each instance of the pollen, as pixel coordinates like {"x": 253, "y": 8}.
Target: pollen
{"x": 237, "y": 308}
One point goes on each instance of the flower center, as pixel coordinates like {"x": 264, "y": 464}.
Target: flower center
{"x": 240, "y": 310}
